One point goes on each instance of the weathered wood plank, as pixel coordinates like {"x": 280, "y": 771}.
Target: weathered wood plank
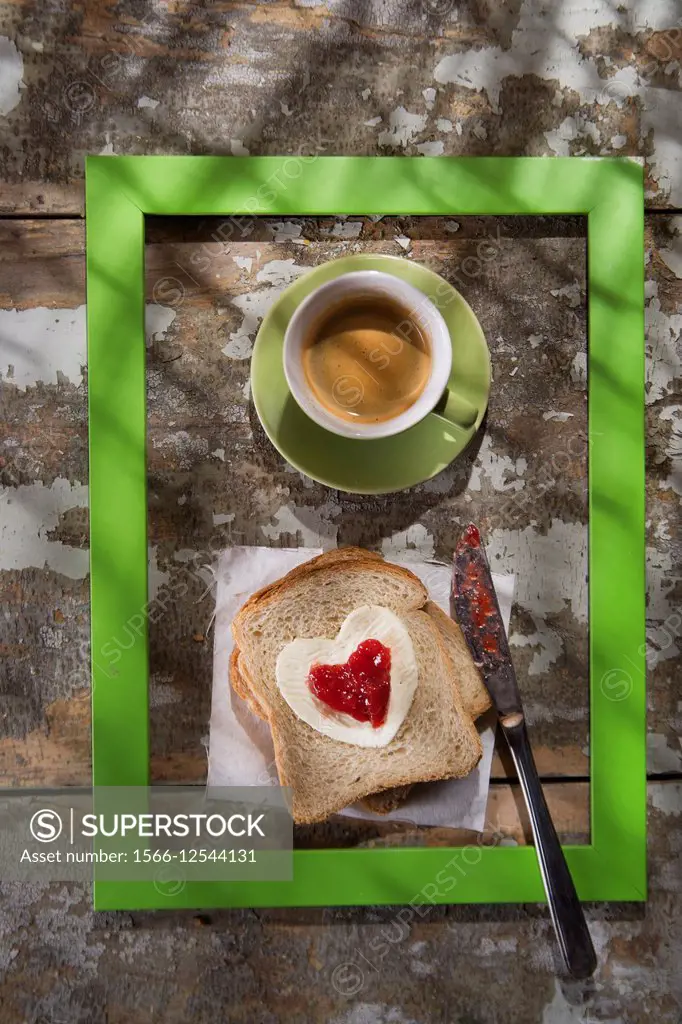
{"x": 198, "y": 407}
{"x": 425, "y": 78}
{"x": 434, "y": 965}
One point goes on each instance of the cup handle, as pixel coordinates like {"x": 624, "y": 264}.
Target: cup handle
{"x": 456, "y": 410}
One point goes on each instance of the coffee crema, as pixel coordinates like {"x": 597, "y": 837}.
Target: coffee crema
{"x": 366, "y": 359}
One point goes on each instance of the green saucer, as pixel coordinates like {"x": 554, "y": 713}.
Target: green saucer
{"x": 389, "y": 463}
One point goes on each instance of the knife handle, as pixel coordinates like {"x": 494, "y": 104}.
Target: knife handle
{"x": 564, "y": 906}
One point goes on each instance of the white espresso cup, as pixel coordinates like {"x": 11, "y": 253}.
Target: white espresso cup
{"x": 363, "y": 284}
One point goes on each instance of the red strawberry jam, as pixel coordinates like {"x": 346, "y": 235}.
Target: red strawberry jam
{"x": 360, "y": 688}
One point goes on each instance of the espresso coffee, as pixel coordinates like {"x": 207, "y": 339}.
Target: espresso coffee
{"x": 367, "y": 359}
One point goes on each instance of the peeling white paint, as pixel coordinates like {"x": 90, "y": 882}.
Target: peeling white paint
{"x": 185, "y": 450}
{"x": 673, "y": 414}
{"x": 366, "y": 93}
{"x": 452, "y": 226}
{"x": 443, "y": 124}
{"x": 667, "y": 797}
{"x": 579, "y": 369}
{"x": 543, "y": 712}
{"x": 662, "y": 614}
{"x": 618, "y": 141}
{"x": 491, "y": 947}
{"x": 403, "y": 128}
{"x": 404, "y": 242}
{"x": 373, "y": 121}
{"x": 52, "y": 637}
{"x": 254, "y": 305}
{"x": 37, "y": 345}
{"x": 560, "y": 1011}
{"x": 672, "y": 254}
{"x": 219, "y": 453}
{"x": 422, "y": 968}
{"x": 285, "y": 108}
{"x": 373, "y": 1013}
{"x": 156, "y": 579}
{"x": 28, "y": 514}
{"x": 548, "y": 641}
{"x": 661, "y": 113}
{"x": 545, "y": 43}
{"x": 157, "y": 320}
{"x": 496, "y": 469}
{"x": 480, "y": 131}
{"x": 662, "y": 340}
{"x": 162, "y": 694}
{"x": 148, "y": 102}
{"x": 11, "y": 75}
{"x": 244, "y": 263}
{"x": 570, "y": 129}
{"x": 561, "y": 417}
{"x": 544, "y": 46}
{"x": 184, "y": 555}
{"x": 280, "y": 273}
{"x": 312, "y": 527}
{"x": 550, "y": 569}
{"x": 286, "y": 231}
{"x": 431, "y": 148}
{"x": 429, "y": 98}
{"x": 108, "y": 147}
{"x": 221, "y": 518}
{"x": 413, "y": 544}
{"x": 237, "y": 148}
{"x": 660, "y": 757}
{"x": 571, "y": 292}
{"x": 590, "y": 129}
{"x": 662, "y": 531}
{"x": 347, "y": 229}
{"x": 535, "y": 340}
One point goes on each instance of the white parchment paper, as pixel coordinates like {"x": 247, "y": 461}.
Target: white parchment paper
{"x": 240, "y": 746}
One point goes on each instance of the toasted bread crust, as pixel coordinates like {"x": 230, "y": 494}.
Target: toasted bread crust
{"x": 380, "y": 799}
{"x": 304, "y": 815}
{"x": 476, "y": 699}
{"x": 386, "y": 800}
{"x": 322, "y": 561}
{"x": 358, "y": 563}
{"x": 379, "y": 803}
{"x": 239, "y": 680}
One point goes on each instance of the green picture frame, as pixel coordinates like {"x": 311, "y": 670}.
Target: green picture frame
{"x": 120, "y": 191}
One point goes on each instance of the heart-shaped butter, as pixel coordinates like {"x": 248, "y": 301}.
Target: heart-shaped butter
{"x": 297, "y": 658}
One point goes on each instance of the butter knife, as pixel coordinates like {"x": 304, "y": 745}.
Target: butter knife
{"x": 477, "y": 611}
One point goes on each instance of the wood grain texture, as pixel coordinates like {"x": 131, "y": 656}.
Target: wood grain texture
{"x": 61, "y": 962}
{"x": 432, "y": 966}
{"x": 208, "y": 457}
{"x": 334, "y": 77}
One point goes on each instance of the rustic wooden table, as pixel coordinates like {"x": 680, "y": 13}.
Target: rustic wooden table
{"x": 425, "y": 77}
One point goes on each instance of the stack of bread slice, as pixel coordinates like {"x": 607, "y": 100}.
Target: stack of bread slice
{"x": 437, "y": 739}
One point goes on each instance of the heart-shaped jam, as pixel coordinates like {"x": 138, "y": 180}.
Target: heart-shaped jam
{"x": 361, "y": 687}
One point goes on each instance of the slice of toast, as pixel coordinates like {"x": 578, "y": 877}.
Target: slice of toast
{"x": 378, "y": 803}
{"x": 437, "y": 739}
{"x": 475, "y": 696}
